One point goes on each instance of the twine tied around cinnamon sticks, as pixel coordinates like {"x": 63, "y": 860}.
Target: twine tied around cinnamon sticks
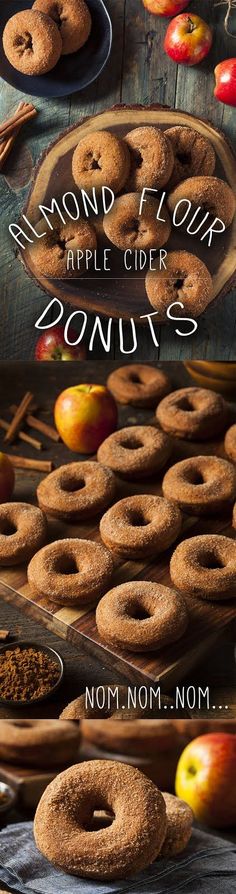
{"x": 231, "y": 5}
{"x": 11, "y": 127}
{"x": 23, "y": 414}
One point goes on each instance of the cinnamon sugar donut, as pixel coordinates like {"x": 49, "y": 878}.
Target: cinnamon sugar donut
{"x": 230, "y": 443}
{"x": 71, "y": 572}
{"x": 210, "y": 193}
{"x": 32, "y": 42}
{"x": 193, "y": 154}
{"x": 111, "y": 696}
{"x": 135, "y": 452}
{"x": 49, "y": 253}
{"x": 180, "y": 819}
{"x": 152, "y": 158}
{"x": 139, "y": 526}
{"x": 126, "y": 228}
{"x": 141, "y": 616}
{"x": 134, "y": 737}
{"x": 234, "y": 516}
{"x": 196, "y": 414}
{"x": 201, "y": 485}
{"x": 205, "y": 567}
{"x": 73, "y": 20}
{"x": 77, "y": 490}
{"x": 38, "y": 743}
{"x": 23, "y": 530}
{"x": 101, "y": 159}
{"x": 138, "y": 385}
{"x": 185, "y": 279}
{"x": 127, "y": 846}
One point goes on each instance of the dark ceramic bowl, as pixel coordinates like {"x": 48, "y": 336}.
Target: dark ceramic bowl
{"x": 28, "y": 644}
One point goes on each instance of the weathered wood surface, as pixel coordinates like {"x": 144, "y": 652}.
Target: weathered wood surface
{"x": 138, "y": 71}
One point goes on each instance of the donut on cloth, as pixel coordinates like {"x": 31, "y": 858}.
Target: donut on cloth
{"x": 193, "y": 154}
{"x": 141, "y": 616}
{"x": 186, "y": 280}
{"x": 77, "y": 490}
{"x": 140, "y": 526}
{"x": 138, "y": 384}
{"x": 73, "y": 20}
{"x": 201, "y": 485}
{"x": 152, "y": 158}
{"x": 135, "y": 452}
{"x": 196, "y": 414}
{"x": 127, "y": 846}
{"x": 179, "y": 825}
{"x": 205, "y": 566}
{"x": 126, "y": 228}
{"x": 38, "y": 743}
{"x": 209, "y": 193}
{"x": 23, "y": 530}
{"x": 230, "y": 443}
{"x": 71, "y": 572}
{"x": 101, "y": 159}
{"x": 32, "y": 42}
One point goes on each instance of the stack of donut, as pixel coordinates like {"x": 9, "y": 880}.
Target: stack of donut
{"x": 34, "y": 39}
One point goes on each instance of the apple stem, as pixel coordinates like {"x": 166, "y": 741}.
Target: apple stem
{"x": 191, "y": 24}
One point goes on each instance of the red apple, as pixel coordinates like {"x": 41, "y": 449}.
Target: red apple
{"x": 85, "y": 415}
{"x": 225, "y": 75}
{"x": 52, "y": 346}
{"x": 188, "y": 39}
{"x": 206, "y": 778}
{"x": 165, "y": 7}
{"x": 7, "y": 478}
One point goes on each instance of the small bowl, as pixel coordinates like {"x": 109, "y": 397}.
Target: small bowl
{"x": 73, "y": 72}
{"x": 10, "y": 798}
{"x": 28, "y": 644}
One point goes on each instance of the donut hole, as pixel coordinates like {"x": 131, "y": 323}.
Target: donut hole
{"x": 66, "y": 565}
{"x": 57, "y": 14}
{"x": 185, "y": 403}
{"x": 22, "y": 724}
{"x": 193, "y": 476}
{"x": 99, "y": 819}
{"x": 133, "y": 377}
{"x": 7, "y": 528}
{"x": 93, "y": 162}
{"x": 139, "y": 612}
{"x": 23, "y": 42}
{"x": 138, "y": 520}
{"x": 211, "y": 560}
{"x": 137, "y": 158}
{"x": 131, "y": 444}
{"x": 179, "y": 282}
{"x": 184, "y": 158}
{"x": 71, "y": 485}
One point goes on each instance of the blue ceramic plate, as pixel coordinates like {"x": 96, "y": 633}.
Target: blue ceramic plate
{"x": 72, "y": 73}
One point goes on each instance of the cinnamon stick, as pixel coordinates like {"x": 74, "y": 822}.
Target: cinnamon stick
{"x": 7, "y": 144}
{"x": 23, "y": 437}
{"x": 4, "y": 634}
{"x": 39, "y": 425}
{"x": 18, "y": 416}
{"x": 22, "y": 462}
{"x": 20, "y": 117}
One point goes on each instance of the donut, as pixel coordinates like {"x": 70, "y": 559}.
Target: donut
{"x": 38, "y": 743}
{"x": 138, "y": 385}
{"x": 73, "y": 20}
{"x": 101, "y": 159}
{"x": 179, "y": 826}
{"x": 201, "y": 485}
{"x": 193, "y": 154}
{"x": 140, "y": 526}
{"x": 23, "y": 530}
{"x": 234, "y": 516}
{"x": 205, "y": 566}
{"x": 208, "y": 193}
{"x": 134, "y": 737}
{"x": 126, "y": 228}
{"x": 184, "y": 279}
{"x": 141, "y": 616}
{"x": 193, "y": 728}
{"x": 152, "y": 158}
{"x": 127, "y": 846}
{"x": 32, "y": 42}
{"x": 50, "y": 253}
{"x": 230, "y": 443}
{"x": 135, "y": 452}
{"x": 196, "y": 414}
{"x": 70, "y": 572}
{"x": 78, "y": 490}
{"x": 112, "y": 702}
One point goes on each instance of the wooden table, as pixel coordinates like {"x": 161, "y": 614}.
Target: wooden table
{"x": 138, "y": 72}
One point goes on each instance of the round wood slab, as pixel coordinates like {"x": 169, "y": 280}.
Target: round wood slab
{"x": 120, "y": 294}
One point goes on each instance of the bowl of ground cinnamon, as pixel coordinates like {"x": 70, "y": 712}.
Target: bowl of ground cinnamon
{"x": 29, "y": 673}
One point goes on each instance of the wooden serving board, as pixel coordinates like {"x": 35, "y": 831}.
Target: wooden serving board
{"x": 78, "y": 625}
{"x": 119, "y": 293}
{"x": 29, "y": 784}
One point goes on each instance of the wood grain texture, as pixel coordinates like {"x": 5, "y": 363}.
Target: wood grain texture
{"x": 138, "y": 71}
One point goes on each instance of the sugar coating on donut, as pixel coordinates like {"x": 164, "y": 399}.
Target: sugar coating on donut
{"x": 132, "y": 841}
{"x": 136, "y": 451}
{"x": 71, "y": 571}
{"x": 50, "y": 251}
{"x": 230, "y": 443}
{"x": 210, "y": 193}
{"x": 152, "y": 158}
{"x": 205, "y": 566}
{"x": 185, "y": 279}
{"x": 180, "y": 819}
{"x": 82, "y": 707}
{"x": 101, "y": 159}
{"x": 38, "y": 743}
{"x": 138, "y": 384}
{"x": 194, "y": 155}
{"x": 234, "y": 516}
{"x": 23, "y": 530}
{"x": 201, "y": 485}
{"x": 141, "y": 616}
{"x": 141, "y": 525}
{"x": 32, "y": 42}
{"x": 73, "y": 20}
{"x": 77, "y": 490}
{"x": 193, "y": 413}
{"x": 126, "y": 228}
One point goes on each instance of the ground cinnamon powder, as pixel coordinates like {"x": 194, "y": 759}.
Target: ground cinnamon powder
{"x": 26, "y": 674}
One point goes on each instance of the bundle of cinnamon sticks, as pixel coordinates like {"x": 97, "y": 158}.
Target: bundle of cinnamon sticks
{"x": 20, "y": 415}
{"x": 11, "y": 127}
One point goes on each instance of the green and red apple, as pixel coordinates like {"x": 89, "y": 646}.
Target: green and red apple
{"x": 206, "y": 778}
{"x": 84, "y": 416}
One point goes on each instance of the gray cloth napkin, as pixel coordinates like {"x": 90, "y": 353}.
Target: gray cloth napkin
{"x": 207, "y": 866}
